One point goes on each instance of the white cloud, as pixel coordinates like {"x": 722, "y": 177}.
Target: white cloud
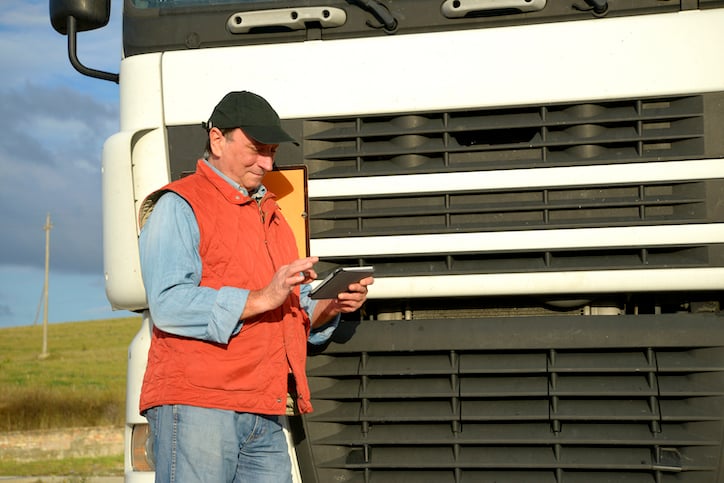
{"x": 53, "y": 122}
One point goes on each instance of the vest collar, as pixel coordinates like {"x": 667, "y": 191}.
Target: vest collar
{"x": 231, "y": 190}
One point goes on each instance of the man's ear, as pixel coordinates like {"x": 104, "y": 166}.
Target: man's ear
{"x": 216, "y": 138}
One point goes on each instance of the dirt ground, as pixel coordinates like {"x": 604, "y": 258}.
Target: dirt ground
{"x": 61, "y": 443}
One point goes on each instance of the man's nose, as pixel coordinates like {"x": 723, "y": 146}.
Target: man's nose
{"x": 266, "y": 161}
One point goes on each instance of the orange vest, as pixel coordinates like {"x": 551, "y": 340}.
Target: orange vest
{"x": 242, "y": 245}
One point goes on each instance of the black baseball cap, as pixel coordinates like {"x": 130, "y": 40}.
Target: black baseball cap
{"x": 253, "y": 114}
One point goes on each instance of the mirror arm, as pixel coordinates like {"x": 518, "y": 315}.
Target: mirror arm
{"x": 73, "y": 56}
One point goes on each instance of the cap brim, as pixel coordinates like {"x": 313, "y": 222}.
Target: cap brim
{"x": 268, "y": 134}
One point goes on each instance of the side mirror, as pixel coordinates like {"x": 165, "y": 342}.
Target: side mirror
{"x": 88, "y": 14}
{"x": 68, "y": 17}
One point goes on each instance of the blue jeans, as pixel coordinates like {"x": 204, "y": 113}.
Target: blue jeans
{"x": 193, "y": 444}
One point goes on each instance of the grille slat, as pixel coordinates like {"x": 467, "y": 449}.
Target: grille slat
{"x": 522, "y": 434}
{"x": 571, "y": 410}
{"x": 436, "y": 149}
{"x": 618, "y": 131}
{"x": 529, "y": 261}
{"x": 623, "y": 205}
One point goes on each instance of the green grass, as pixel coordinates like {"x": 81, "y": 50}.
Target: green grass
{"x": 77, "y": 469}
{"x": 80, "y": 383}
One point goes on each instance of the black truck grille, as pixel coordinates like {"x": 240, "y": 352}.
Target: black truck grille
{"x": 621, "y": 205}
{"x": 658, "y": 130}
{"x": 485, "y": 139}
{"x": 565, "y": 399}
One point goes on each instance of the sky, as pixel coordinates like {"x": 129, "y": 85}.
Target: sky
{"x": 53, "y": 123}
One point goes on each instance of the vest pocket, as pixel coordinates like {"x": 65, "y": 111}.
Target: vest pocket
{"x": 237, "y": 367}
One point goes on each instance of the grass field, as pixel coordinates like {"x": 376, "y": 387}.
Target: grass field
{"x": 80, "y": 383}
{"x": 78, "y": 469}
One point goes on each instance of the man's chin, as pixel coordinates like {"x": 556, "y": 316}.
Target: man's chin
{"x": 252, "y": 183}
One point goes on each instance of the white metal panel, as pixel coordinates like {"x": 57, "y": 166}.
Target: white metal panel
{"x": 124, "y": 286}
{"x": 558, "y": 283}
{"x": 139, "y": 476}
{"x": 602, "y": 175}
{"x": 506, "y": 241}
{"x": 137, "y": 360}
{"x": 649, "y": 55}
{"x": 141, "y": 98}
{"x": 136, "y": 367}
{"x": 134, "y": 164}
{"x": 150, "y": 168}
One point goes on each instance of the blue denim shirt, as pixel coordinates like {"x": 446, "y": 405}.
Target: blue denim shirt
{"x": 171, "y": 270}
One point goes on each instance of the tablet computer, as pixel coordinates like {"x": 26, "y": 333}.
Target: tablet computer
{"x": 339, "y": 281}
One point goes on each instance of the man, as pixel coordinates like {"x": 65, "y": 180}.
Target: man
{"x": 229, "y": 301}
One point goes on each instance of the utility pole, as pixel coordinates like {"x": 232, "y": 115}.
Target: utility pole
{"x": 47, "y": 227}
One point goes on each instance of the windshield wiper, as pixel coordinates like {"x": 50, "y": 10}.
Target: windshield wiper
{"x": 380, "y": 12}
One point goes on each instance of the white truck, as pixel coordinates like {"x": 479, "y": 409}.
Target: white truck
{"x": 539, "y": 185}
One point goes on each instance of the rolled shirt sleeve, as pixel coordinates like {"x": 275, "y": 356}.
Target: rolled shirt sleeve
{"x": 171, "y": 270}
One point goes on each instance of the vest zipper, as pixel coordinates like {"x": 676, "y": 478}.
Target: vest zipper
{"x": 262, "y": 215}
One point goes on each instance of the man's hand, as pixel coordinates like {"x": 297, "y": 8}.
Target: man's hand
{"x": 282, "y": 283}
{"x": 345, "y": 302}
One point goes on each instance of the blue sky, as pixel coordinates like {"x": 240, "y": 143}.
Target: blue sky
{"x": 53, "y": 122}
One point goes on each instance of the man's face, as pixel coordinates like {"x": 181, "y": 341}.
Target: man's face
{"x": 241, "y": 158}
